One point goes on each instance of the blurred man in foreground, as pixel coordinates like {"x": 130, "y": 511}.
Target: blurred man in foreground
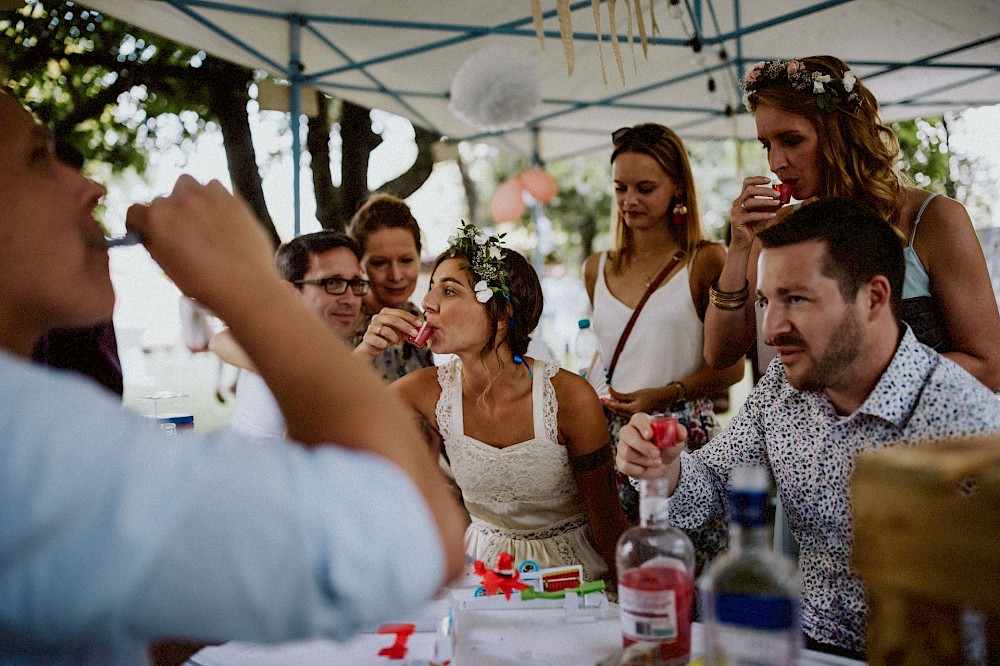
{"x": 112, "y": 536}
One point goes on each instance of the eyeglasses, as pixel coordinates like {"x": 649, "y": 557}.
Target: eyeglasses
{"x": 336, "y": 286}
{"x": 648, "y": 134}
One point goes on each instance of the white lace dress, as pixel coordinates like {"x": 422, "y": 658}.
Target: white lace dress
{"x": 522, "y": 498}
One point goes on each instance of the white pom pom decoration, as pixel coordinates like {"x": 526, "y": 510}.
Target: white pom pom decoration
{"x": 495, "y": 89}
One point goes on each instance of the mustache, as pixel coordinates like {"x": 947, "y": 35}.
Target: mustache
{"x": 786, "y": 339}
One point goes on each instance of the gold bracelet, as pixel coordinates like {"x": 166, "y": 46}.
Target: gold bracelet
{"x": 728, "y": 300}
{"x": 682, "y": 394}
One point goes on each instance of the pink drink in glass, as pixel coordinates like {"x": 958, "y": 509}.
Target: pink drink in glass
{"x": 664, "y": 430}
{"x": 425, "y": 332}
{"x": 784, "y": 192}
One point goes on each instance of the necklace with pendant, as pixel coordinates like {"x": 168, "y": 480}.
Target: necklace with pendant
{"x": 649, "y": 278}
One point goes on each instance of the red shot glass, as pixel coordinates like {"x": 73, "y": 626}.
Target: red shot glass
{"x": 420, "y": 339}
{"x": 784, "y": 192}
{"x": 664, "y": 430}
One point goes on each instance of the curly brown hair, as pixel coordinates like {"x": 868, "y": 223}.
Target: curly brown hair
{"x": 858, "y": 152}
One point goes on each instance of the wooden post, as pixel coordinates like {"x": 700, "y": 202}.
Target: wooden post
{"x": 927, "y": 544}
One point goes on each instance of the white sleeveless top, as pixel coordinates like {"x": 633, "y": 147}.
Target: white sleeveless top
{"x": 666, "y": 342}
{"x": 522, "y": 498}
{"x": 257, "y": 413}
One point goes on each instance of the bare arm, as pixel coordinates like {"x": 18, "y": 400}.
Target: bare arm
{"x": 209, "y": 243}
{"x": 225, "y": 347}
{"x": 584, "y": 431}
{"x": 947, "y": 244}
{"x": 729, "y": 333}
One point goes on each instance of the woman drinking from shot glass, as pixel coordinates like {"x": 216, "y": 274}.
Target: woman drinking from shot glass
{"x": 526, "y": 440}
{"x": 821, "y": 129}
{"x": 390, "y": 244}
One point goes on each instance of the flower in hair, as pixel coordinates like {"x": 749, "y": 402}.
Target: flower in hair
{"x": 830, "y": 92}
{"x": 483, "y": 291}
{"x": 485, "y": 254}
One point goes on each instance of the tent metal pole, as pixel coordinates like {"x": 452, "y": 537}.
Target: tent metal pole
{"x": 295, "y": 111}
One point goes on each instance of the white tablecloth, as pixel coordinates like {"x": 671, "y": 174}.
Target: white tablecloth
{"x": 484, "y": 638}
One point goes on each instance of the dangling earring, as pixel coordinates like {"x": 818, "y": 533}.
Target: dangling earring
{"x": 680, "y": 214}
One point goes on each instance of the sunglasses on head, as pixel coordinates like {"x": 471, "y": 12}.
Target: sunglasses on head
{"x": 648, "y": 134}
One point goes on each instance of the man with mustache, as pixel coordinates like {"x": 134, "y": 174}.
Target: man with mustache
{"x": 849, "y": 377}
{"x": 325, "y": 268}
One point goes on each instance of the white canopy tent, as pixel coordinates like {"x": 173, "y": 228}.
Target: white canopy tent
{"x": 920, "y": 57}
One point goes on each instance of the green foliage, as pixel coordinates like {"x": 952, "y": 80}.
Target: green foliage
{"x": 101, "y": 83}
{"x": 924, "y": 154}
{"x": 926, "y": 157}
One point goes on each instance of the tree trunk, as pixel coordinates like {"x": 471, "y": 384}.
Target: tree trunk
{"x": 328, "y": 200}
{"x": 229, "y": 99}
{"x": 358, "y": 141}
{"x": 409, "y": 182}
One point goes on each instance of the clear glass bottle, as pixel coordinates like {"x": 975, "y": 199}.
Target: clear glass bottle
{"x": 584, "y": 346}
{"x": 656, "y": 579}
{"x": 751, "y": 595}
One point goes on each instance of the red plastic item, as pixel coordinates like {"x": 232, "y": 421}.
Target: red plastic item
{"x": 505, "y": 578}
{"x": 664, "y": 431}
{"x": 420, "y": 339}
{"x": 398, "y": 649}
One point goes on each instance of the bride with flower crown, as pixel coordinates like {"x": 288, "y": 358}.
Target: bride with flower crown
{"x": 526, "y": 441}
{"x": 821, "y": 129}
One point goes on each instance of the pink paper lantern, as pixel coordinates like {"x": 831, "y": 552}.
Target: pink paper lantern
{"x": 540, "y": 184}
{"x": 507, "y": 204}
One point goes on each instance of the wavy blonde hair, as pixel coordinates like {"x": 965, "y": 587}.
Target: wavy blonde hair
{"x": 858, "y": 153}
{"x": 668, "y": 151}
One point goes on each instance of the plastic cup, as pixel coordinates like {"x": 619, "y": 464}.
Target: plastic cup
{"x": 664, "y": 430}
{"x": 420, "y": 339}
{"x": 784, "y": 192}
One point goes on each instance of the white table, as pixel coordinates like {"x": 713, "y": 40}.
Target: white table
{"x": 485, "y": 638}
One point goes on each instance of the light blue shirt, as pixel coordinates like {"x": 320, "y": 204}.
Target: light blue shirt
{"x": 113, "y": 534}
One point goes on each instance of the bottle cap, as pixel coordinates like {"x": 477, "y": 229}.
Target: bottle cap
{"x": 583, "y": 323}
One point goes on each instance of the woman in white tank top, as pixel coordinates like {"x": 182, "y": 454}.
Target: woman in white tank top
{"x": 660, "y": 368}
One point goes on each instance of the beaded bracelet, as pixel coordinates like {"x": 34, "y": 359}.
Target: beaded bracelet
{"x": 728, "y": 300}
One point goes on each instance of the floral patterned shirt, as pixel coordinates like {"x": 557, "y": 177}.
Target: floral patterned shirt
{"x": 810, "y": 452}
{"x": 399, "y": 359}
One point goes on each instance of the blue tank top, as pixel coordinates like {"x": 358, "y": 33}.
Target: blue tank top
{"x": 915, "y": 281}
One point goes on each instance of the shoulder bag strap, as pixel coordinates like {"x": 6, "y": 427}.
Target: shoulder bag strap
{"x": 676, "y": 259}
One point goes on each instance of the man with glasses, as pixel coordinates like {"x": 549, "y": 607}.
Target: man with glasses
{"x": 325, "y": 268}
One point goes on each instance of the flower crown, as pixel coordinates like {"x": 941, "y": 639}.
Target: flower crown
{"x": 828, "y": 90}
{"x": 486, "y": 255}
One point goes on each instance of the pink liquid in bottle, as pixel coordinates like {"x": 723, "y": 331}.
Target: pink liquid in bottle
{"x": 425, "y": 332}
{"x": 656, "y": 604}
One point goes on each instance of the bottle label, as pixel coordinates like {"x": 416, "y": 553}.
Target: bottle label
{"x": 648, "y": 615}
{"x": 756, "y": 611}
{"x": 739, "y": 646}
